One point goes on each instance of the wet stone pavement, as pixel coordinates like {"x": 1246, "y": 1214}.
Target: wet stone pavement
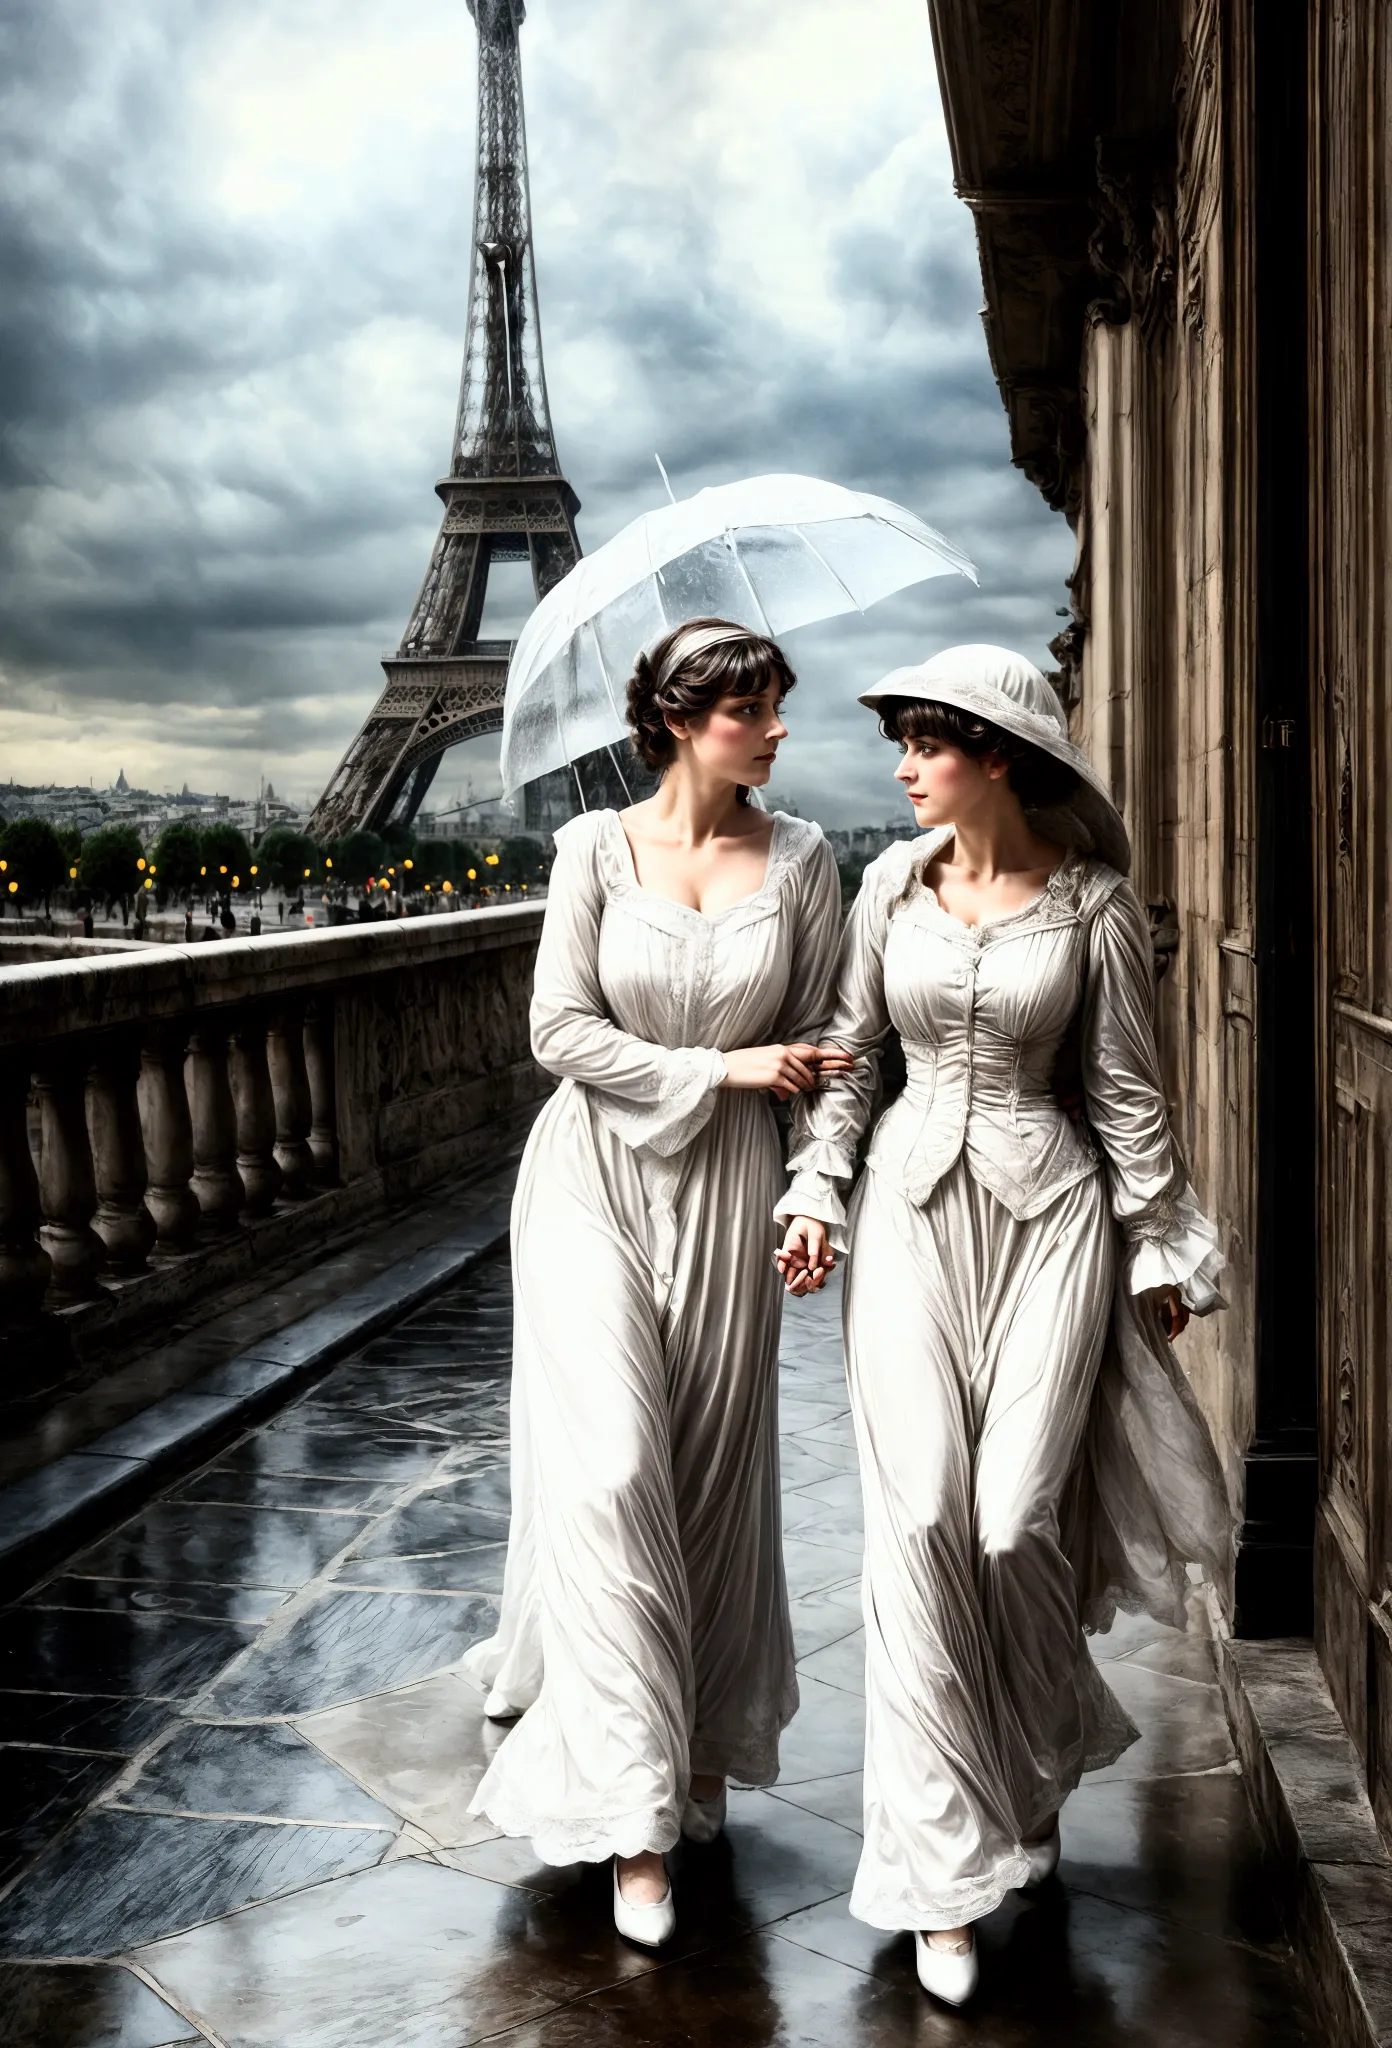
{"x": 237, "y": 1762}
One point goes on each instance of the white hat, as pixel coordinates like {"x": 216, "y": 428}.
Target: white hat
{"x": 1008, "y": 691}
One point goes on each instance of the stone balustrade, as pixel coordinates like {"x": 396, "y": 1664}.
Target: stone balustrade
{"x": 171, "y": 1116}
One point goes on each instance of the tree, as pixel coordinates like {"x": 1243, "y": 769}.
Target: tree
{"x": 283, "y": 854}
{"x": 436, "y": 861}
{"x": 520, "y": 860}
{"x": 399, "y": 841}
{"x": 110, "y": 865}
{"x": 358, "y": 857}
{"x": 34, "y": 859}
{"x": 226, "y": 856}
{"x": 176, "y": 856}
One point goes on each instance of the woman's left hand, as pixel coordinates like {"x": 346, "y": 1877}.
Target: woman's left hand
{"x": 805, "y": 1257}
{"x": 1174, "y": 1315}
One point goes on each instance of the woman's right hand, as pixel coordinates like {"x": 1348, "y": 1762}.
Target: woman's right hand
{"x": 805, "y": 1257}
{"x": 787, "y": 1069}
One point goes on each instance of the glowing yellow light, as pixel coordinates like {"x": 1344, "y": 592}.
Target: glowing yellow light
{"x": 427, "y": 888}
{"x": 473, "y": 874}
{"x": 3, "y": 865}
{"x": 222, "y": 870}
{"x": 236, "y": 881}
{"x": 410, "y": 863}
{"x": 153, "y": 869}
{"x": 141, "y": 865}
{"x": 306, "y": 874}
{"x": 508, "y": 887}
{"x": 148, "y": 883}
{"x": 391, "y": 871}
{"x": 72, "y": 874}
{"x": 490, "y": 860}
{"x": 255, "y": 871}
{"x": 13, "y": 887}
{"x": 446, "y": 886}
{"x": 203, "y": 871}
{"x": 327, "y": 864}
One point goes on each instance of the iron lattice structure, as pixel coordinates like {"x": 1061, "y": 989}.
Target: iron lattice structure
{"x": 505, "y": 498}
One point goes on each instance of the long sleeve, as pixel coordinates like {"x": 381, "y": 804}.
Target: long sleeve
{"x": 650, "y": 1095}
{"x": 828, "y": 1126}
{"x": 1171, "y": 1241}
{"x": 812, "y": 983}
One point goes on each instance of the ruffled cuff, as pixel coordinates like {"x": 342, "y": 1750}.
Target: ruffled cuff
{"x": 816, "y": 1195}
{"x": 692, "y": 1074}
{"x": 1173, "y": 1244}
{"x": 819, "y": 1159}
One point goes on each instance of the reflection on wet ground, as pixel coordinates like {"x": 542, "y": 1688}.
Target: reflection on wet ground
{"x": 237, "y": 1763}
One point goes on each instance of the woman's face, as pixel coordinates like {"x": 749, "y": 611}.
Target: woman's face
{"x": 944, "y": 785}
{"x": 737, "y": 739}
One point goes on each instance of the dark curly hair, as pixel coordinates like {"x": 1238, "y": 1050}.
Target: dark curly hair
{"x": 1038, "y": 780}
{"x": 687, "y": 673}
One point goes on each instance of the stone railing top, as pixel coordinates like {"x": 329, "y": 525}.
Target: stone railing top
{"x": 26, "y": 947}
{"x": 40, "y": 1000}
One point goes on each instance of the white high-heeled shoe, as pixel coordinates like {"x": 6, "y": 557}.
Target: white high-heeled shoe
{"x": 950, "y": 1974}
{"x": 649, "y": 1926}
{"x": 703, "y": 1819}
{"x": 1043, "y": 1859}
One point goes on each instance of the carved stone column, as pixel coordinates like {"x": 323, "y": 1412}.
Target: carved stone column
{"x": 256, "y": 1115}
{"x": 168, "y": 1133}
{"x": 294, "y": 1113}
{"x": 122, "y": 1222}
{"x": 67, "y": 1188}
{"x": 216, "y": 1181}
{"x": 25, "y": 1266}
{"x": 319, "y": 1059}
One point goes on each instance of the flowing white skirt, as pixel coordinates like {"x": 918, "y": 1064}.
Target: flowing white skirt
{"x": 645, "y": 1626}
{"x": 973, "y": 1343}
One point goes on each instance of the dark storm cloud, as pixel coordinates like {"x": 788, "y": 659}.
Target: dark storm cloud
{"x": 233, "y": 246}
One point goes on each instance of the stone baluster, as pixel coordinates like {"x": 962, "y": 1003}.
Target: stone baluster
{"x": 285, "y": 1048}
{"x": 323, "y": 1090}
{"x": 25, "y": 1266}
{"x": 216, "y": 1181}
{"x": 256, "y": 1115}
{"x": 67, "y": 1187}
{"x": 168, "y": 1133}
{"x": 122, "y": 1222}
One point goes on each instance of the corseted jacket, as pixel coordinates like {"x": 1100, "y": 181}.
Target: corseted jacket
{"x": 982, "y": 1011}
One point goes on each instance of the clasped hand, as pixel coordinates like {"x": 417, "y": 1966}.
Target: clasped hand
{"x": 805, "y": 1257}
{"x": 787, "y": 1069}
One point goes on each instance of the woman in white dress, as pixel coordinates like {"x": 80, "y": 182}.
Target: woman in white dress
{"x": 685, "y": 971}
{"x": 1031, "y": 1455}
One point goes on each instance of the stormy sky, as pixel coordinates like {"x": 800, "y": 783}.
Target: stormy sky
{"x": 233, "y": 243}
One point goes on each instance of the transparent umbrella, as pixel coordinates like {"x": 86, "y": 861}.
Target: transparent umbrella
{"x": 771, "y": 552}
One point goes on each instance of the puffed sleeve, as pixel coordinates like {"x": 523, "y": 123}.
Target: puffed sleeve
{"x": 816, "y": 932}
{"x": 1170, "y": 1240}
{"x": 655, "y": 1096}
{"x": 828, "y": 1125}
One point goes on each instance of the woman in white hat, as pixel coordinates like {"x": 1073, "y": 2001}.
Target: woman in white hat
{"x": 1031, "y": 1455}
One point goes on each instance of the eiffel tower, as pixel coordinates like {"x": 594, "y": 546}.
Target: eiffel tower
{"x": 505, "y": 498}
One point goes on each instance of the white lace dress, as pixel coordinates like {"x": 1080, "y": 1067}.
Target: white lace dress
{"x": 1030, "y": 1450}
{"x": 645, "y": 1624}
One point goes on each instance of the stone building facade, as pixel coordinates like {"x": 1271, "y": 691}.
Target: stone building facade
{"x": 1183, "y": 210}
